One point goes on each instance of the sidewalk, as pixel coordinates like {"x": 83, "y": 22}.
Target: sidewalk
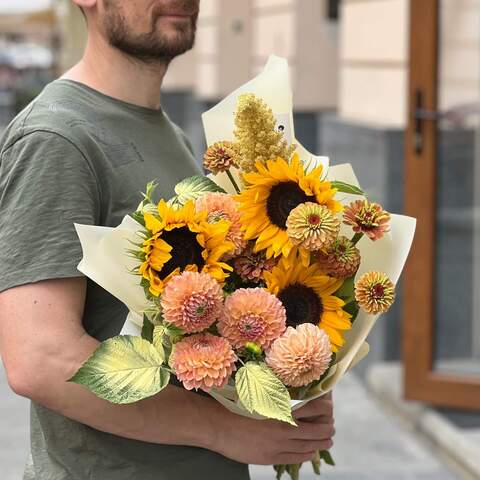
{"x": 454, "y": 435}
{"x": 370, "y": 445}
{"x": 14, "y": 435}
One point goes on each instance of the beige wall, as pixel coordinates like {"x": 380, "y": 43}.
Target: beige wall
{"x": 222, "y": 47}
{"x": 459, "y": 70}
{"x": 316, "y": 79}
{"x": 374, "y": 58}
{"x": 374, "y": 61}
{"x": 236, "y": 38}
{"x": 72, "y": 31}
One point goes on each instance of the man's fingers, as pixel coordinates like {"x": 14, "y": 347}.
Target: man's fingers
{"x": 315, "y": 408}
{"x": 313, "y": 431}
{"x": 289, "y": 458}
{"x": 305, "y": 446}
{"x": 318, "y": 419}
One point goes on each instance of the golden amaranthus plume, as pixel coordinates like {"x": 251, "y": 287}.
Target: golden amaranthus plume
{"x": 255, "y": 132}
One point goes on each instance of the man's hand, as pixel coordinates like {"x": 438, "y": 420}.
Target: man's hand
{"x": 43, "y": 343}
{"x": 269, "y": 442}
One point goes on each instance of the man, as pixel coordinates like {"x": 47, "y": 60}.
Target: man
{"x": 82, "y": 152}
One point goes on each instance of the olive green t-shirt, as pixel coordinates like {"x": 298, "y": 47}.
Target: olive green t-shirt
{"x": 76, "y": 155}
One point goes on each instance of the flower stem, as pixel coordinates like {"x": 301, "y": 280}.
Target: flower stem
{"x": 234, "y": 183}
{"x": 294, "y": 471}
{"x": 356, "y": 238}
{"x": 316, "y": 463}
{"x": 327, "y": 457}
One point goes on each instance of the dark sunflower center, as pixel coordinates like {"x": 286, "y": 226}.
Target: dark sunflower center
{"x": 302, "y": 304}
{"x": 185, "y": 250}
{"x": 283, "y": 198}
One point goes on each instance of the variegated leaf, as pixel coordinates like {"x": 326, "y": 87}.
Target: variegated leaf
{"x": 124, "y": 369}
{"x": 260, "y": 391}
{"x": 193, "y": 188}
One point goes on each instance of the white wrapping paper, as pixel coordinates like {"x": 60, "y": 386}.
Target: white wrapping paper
{"x": 104, "y": 249}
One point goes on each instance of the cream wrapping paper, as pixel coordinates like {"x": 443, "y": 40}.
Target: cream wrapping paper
{"x": 105, "y": 259}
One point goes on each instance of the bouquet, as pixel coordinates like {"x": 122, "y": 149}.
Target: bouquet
{"x": 258, "y": 283}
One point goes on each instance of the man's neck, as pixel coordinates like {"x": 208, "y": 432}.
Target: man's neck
{"x": 117, "y": 75}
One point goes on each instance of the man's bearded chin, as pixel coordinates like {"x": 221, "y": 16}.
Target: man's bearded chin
{"x": 152, "y": 46}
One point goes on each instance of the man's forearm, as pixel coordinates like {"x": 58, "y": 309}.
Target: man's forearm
{"x": 174, "y": 416}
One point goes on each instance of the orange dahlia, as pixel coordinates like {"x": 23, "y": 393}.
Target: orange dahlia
{"x": 203, "y": 361}
{"x": 192, "y": 301}
{"x": 301, "y": 355}
{"x": 221, "y": 207}
{"x": 252, "y": 315}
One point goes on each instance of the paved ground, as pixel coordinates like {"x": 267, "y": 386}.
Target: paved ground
{"x": 369, "y": 444}
{"x": 13, "y": 432}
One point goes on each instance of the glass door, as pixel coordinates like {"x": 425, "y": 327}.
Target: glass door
{"x": 441, "y": 341}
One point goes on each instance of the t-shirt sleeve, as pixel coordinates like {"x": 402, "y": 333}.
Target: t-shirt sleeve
{"x": 46, "y": 185}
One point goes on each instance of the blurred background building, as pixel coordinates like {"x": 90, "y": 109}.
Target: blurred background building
{"x": 391, "y": 86}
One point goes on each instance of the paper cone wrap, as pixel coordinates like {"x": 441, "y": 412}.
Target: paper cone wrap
{"x": 106, "y": 262}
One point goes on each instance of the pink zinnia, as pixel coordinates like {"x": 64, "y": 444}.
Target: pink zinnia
{"x": 221, "y": 206}
{"x": 203, "y": 361}
{"x": 192, "y": 301}
{"x": 252, "y": 315}
{"x": 374, "y": 292}
{"x": 301, "y": 355}
{"x": 251, "y": 266}
{"x": 368, "y": 218}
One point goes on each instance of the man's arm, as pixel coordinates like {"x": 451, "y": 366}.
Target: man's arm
{"x": 43, "y": 343}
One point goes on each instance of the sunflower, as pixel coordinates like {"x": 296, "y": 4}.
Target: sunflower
{"x": 271, "y": 193}
{"x": 307, "y": 295}
{"x": 182, "y": 240}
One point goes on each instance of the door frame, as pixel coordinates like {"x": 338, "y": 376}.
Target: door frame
{"x": 421, "y": 382}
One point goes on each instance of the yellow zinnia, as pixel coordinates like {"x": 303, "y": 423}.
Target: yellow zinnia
{"x": 271, "y": 193}
{"x": 307, "y": 295}
{"x": 182, "y": 240}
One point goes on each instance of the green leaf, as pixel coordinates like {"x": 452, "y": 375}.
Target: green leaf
{"x": 173, "y": 332}
{"x": 347, "y": 188}
{"x": 352, "y": 308}
{"x": 347, "y": 290}
{"x": 158, "y": 338}
{"x": 151, "y": 186}
{"x": 147, "y": 329}
{"x": 138, "y": 216}
{"x": 260, "y": 391}
{"x": 124, "y": 369}
{"x": 194, "y": 187}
